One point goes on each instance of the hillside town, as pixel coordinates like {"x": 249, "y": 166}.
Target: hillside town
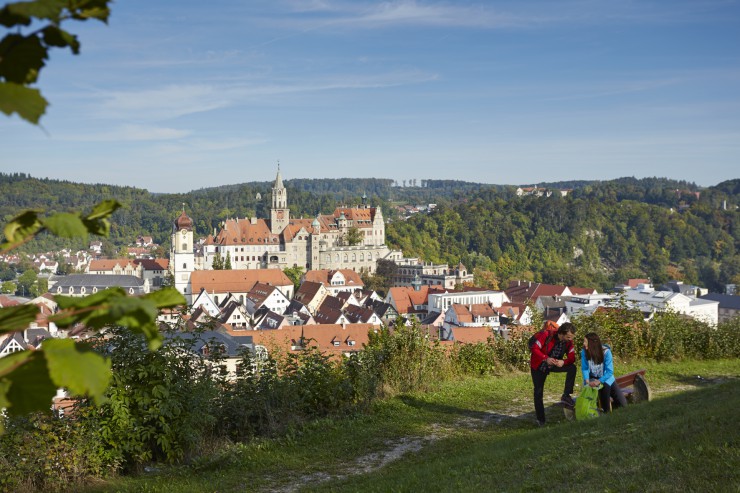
{"x": 253, "y": 303}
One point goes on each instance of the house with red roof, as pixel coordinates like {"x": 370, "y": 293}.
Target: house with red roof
{"x": 335, "y": 281}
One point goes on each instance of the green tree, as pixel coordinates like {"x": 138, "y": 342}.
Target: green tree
{"x": 294, "y": 274}
{"x": 26, "y": 282}
{"x": 24, "y": 54}
{"x": 8, "y": 287}
{"x": 218, "y": 263}
{"x": 227, "y": 263}
{"x": 353, "y": 236}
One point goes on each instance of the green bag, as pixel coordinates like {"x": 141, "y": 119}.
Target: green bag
{"x": 587, "y": 404}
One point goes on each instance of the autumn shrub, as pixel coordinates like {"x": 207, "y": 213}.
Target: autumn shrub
{"x": 512, "y": 352}
{"x": 474, "y": 359}
{"x": 403, "y": 359}
{"x": 42, "y": 453}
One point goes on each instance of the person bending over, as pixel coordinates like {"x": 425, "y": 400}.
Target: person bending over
{"x": 553, "y": 352}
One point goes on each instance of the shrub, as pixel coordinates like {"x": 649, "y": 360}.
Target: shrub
{"x": 40, "y": 452}
{"x": 403, "y": 360}
{"x": 159, "y": 402}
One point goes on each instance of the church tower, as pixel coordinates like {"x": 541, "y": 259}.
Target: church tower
{"x": 279, "y": 212}
{"x": 182, "y": 256}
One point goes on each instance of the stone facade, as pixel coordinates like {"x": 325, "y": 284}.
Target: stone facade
{"x": 349, "y": 238}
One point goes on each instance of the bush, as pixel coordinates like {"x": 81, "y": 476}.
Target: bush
{"x": 402, "y": 360}
{"x": 159, "y": 402}
{"x": 40, "y": 452}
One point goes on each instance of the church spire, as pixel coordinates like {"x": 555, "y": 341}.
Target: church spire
{"x": 278, "y": 178}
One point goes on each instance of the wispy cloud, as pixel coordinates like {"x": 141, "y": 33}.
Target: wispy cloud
{"x": 199, "y": 145}
{"x": 172, "y": 101}
{"x": 127, "y": 133}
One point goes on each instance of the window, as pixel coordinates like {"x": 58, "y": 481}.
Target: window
{"x": 184, "y": 246}
{"x": 184, "y": 265}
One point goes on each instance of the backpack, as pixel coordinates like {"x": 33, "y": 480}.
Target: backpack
{"x": 550, "y": 328}
{"x": 587, "y": 403}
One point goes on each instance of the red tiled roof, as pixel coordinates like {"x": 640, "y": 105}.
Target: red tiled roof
{"x": 581, "y": 291}
{"x": 322, "y": 336}
{"x": 633, "y": 283}
{"x": 109, "y": 264}
{"x": 472, "y": 335}
{"x": 351, "y": 278}
{"x": 243, "y": 232}
{"x": 236, "y": 281}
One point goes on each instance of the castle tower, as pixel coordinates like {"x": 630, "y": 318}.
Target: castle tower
{"x": 279, "y": 212}
{"x": 378, "y": 237}
{"x": 182, "y": 256}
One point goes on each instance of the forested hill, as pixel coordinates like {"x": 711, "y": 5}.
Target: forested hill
{"x": 601, "y": 232}
{"x": 594, "y": 237}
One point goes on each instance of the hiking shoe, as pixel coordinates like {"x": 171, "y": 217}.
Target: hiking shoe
{"x": 567, "y": 400}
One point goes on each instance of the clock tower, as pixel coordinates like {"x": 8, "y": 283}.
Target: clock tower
{"x": 279, "y": 212}
{"x": 182, "y": 256}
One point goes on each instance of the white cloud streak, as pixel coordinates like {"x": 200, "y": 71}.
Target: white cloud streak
{"x": 176, "y": 100}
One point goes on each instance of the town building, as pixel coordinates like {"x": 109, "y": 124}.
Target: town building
{"x": 350, "y": 238}
{"x": 413, "y": 270}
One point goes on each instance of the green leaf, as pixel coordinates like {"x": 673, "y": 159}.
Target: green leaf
{"x": 54, "y": 36}
{"x": 166, "y": 298}
{"x": 96, "y": 222}
{"x": 31, "y": 388}
{"x": 66, "y": 225}
{"x": 27, "y": 102}
{"x": 41, "y": 9}
{"x": 15, "y": 318}
{"x": 13, "y": 361}
{"x": 104, "y": 209}
{"x": 20, "y": 228}
{"x": 10, "y": 18}
{"x": 111, "y": 307}
{"x": 77, "y": 368}
{"x": 93, "y": 9}
{"x": 79, "y": 310}
{"x": 21, "y": 58}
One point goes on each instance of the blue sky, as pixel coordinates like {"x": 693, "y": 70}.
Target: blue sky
{"x": 175, "y": 96}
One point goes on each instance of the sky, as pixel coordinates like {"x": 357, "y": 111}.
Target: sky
{"x": 177, "y": 96}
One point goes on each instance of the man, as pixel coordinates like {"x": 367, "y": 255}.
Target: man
{"x": 552, "y": 351}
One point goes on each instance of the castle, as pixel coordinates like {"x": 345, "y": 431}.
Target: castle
{"x": 349, "y": 238}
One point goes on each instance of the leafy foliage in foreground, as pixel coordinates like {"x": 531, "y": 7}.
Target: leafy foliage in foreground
{"x": 23, "y": 55}
{"x": 29, "y": 379}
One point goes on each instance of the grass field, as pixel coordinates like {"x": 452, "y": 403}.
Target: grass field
{"x": 478, "y": 434}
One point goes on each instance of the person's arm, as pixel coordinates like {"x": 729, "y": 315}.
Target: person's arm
{"x": 570, "y": 355}
{"x": 584, "y": 367}
{"x": 608, "y": 366}
{"x": 538, "y": 349}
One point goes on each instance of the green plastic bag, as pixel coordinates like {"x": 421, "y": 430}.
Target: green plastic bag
{"x": 587, "y": 404}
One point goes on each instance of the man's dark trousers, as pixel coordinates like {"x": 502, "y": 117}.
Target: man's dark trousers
{"x": 538, "y": 379}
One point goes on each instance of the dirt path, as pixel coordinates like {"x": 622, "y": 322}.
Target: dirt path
{"x": 397, "y": 449}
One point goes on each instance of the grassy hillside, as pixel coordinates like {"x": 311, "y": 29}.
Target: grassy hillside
{"x": 479, "y": 435}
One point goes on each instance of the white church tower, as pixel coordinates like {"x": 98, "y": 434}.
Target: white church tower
{"x": 182, "y": 256}
{"x": 279, "y": 212}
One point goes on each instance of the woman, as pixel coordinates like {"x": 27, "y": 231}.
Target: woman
{"x": 597, "y": 366}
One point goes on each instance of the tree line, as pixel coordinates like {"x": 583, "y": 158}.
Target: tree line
{"x": 602, "y": 232}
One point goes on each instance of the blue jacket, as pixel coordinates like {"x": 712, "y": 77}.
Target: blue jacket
{"x": 603, "y": 373}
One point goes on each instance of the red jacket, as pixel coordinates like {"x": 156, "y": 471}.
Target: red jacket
{"x": 542, "y": 347}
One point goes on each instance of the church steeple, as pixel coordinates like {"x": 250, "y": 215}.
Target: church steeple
{"x": 279, "y": 212}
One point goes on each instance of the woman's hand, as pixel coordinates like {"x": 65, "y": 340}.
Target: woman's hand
{"x": 594, "y": 383}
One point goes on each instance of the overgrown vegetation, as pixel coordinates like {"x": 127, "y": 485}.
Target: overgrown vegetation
{"x": 177, "y": 406}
